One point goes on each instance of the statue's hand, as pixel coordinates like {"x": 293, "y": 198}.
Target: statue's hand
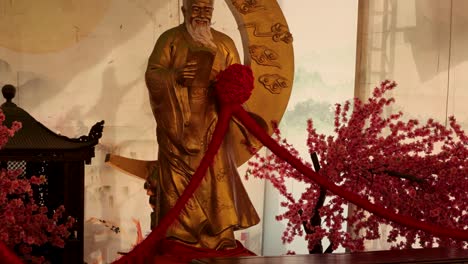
{"x": 187, "y": 72}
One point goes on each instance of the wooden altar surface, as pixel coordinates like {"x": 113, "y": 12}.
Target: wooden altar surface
{"x": 435, "y": 255}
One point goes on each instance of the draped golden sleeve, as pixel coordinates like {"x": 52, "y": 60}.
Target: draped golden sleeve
{"x": 185, "y": 117}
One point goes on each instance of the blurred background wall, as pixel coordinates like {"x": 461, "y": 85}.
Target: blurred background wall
{"x": 422, "y": 45}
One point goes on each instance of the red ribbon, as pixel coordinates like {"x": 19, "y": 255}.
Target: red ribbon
{"x": 148, "y": 247}
{"x": 7, "y": 256}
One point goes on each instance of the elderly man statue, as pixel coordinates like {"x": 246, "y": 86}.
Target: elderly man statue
{"x": 186, "y": 113}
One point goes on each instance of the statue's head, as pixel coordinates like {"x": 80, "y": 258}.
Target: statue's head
{"x": 198, "y": 12}
{"x": 197, "y": 16}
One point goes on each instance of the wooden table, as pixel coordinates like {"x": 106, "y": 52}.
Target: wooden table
{"x": 435, "y": 255}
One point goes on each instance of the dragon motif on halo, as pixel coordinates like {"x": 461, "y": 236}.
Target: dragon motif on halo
{"x": 247, "y": 6}
{"x": 278, "y": 32}
{"x": 264, "y": 56}
{"x": 274, "y": 83}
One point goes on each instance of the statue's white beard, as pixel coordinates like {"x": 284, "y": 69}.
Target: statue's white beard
{"x": 201, "y": 33}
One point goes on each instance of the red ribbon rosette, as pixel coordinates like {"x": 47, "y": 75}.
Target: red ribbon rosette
{"x": 234, "y": 85}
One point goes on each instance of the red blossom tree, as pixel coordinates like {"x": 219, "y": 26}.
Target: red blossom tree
{"x": 25, "y": 225}
{"x": 413, "y": 169}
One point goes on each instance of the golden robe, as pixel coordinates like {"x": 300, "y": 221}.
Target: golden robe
{"x": 185, "y": 118}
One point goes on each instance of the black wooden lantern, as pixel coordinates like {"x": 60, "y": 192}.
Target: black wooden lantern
{"x": 39, "y": 151}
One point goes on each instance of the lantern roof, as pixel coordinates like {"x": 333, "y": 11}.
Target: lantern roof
{"x": 36, "y": 138}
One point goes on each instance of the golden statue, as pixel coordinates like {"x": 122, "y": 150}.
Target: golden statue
{"x": 179, "y": 77}
{"x": 180, "y": 71}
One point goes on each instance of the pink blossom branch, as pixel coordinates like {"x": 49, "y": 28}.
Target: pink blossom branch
{"x": 256, "y": 130}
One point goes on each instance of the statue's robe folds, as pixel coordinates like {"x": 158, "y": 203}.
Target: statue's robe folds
{"x": 186, "y": 118}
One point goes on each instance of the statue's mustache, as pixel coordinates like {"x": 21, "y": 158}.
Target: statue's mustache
{"x": 197, "y": 19}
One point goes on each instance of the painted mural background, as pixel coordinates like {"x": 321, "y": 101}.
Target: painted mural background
{"x": 324, "y": 53}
